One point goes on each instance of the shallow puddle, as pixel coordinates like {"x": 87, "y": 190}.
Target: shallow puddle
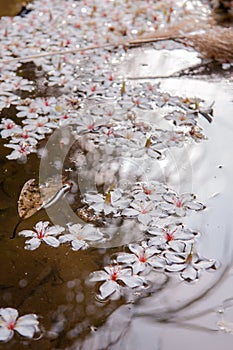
{"x": 127, "y": 157}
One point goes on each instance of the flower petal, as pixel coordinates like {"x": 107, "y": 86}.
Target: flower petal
{"x": 6, "y": 334}
{"x": 189, "y": 274}
{"x": 8, "y": 314}
{"x": 79, "y": 244}
{"x": 55, "y": 230}
{"x": 27, "y": 233}
{"x": 32, "y": 244}
{"x": 97, "y": 276}
{"x": 28, "y": 320}
{"x": 130, "y": 212}
{"x": 132, "y": 281}
{"x": 108, "y": 288}
{"x": 52, "y": 241}
{"x": 91, "y": 233}
{"x": 126, "y": 258}
{"x": 66, "y": 238}
{"x": 144, "y": 218}
{"x": 26, "y": 331}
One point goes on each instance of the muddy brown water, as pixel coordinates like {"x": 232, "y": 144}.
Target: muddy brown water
{"x": 10, "y": 8}
{"x": 53, "y": 282}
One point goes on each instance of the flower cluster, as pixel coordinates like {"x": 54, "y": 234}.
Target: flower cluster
{"x": 36, "y": 117}
{"x": 79, "y": 236}
{"x": 134, "y": 267}
{"x": 144, "y": 201}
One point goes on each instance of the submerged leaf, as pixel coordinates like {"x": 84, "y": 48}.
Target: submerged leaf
{"x": 34, "y": 197}
{"x": 29, "y": 199}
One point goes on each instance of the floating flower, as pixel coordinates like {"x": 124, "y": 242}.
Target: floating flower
{"x": 9, "y": 128}
{"x": 89, "y": 124}
{"x": 151, "y": 190}
{"x": 173, "y": 139}
{"x": 111, "y": 202}
{"x": 181, "y": 118}
{"x": 143, "y": 210}
{"x": 170, "y": 236}
{"x": 42, "y": 233}
{"x": 143, "y": 259}
{"x": 8, "y": 99}
{"x": 20, "y": 151}
{"x": 80, "y": 236}
{"x": 26, "y": 325}
{"x": 149, "y": 147}
{"x": 188, "y": 263}
{"x": 112, "y": 276}
{"x": 30, "y": 137}
{"x": 30, "y": 111}
{"x": 180, "y": 205}
{"x": 41, "y": 125}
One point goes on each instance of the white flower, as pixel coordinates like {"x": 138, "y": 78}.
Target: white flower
{"x": 20, "y": 151}
{"x": 89, "y": 124}
{"x": 42, "y": 233}
{"x": 188, "y": 263}
{"x": 9, "y": 128}
{"x": 151, "y": 190}
{"x": 8, "y": 99}
{"x": 30, "y": 137}
{"x": 181, "y": 118}
{"x": 173, "y": 138}
{"x": 112, "y": 275}
{"x": 41, "y": 125}
{"x": 111, "y": 202}
{"x": 180, "y": 205}
{"x": 30, "y": 111}
{"x": 170, "y": 236}
{"x": 143, "y": 210}
{"x": 26, "y": 325}
{"x": 143, "y": 259}
{"x": 149, "y": 147}
{"x": 80, "y": 236}
{"x": 45, "y": 105}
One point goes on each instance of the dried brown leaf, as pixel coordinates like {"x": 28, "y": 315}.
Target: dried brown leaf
{"x": 29, "y": 199}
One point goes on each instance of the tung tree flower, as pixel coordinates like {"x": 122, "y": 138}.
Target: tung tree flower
{"x": 143, "y": 259}
{"x": 20, "y": 151}
{"x": 111, "y": 202}
{"x": 9, "y": 128}
{"x": 149, "y": 190}
{"x": 26, "y": 325}
{"x": 143, "y": 210}
{"x": 181, "y": 118}
{"x": 188, "y": 263}
{"x": 180, "y": 205}
{"x": 89, "y": 124}
{"x": 112, "y": 276}
{"x": 149, "y": 148}
{"x": 170, "y": 236}
{"x": 42, "y": 233}
{"x": 79, "y": 236}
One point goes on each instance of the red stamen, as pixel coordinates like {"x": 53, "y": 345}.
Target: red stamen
{"x": 147, "y": 191}
{"x": 11, "y": 326}
{"x": 40, "y": 234}
{"x": 9, "y": 126}
{"x": 114, "y": 276}
{"x": 142, "y": 258}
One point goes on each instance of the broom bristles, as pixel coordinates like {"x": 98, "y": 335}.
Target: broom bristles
{"x": 216, "y": 44}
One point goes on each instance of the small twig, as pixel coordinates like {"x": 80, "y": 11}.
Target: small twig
{"x": 59, "y": 52}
